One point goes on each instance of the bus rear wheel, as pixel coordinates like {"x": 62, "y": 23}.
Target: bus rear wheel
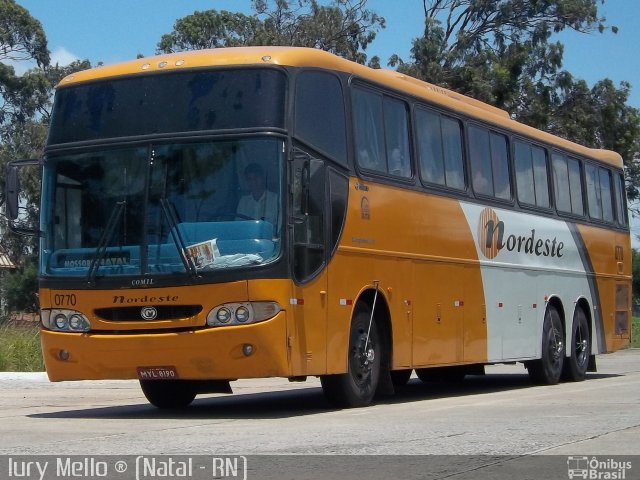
{"x": 169, "y": 393}
{"x": 548, "y": 369}
{"x": 357, "y": 387}
{"x": 576, "y": 365}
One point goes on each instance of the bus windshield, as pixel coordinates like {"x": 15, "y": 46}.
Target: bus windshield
{"x": 163, "y": 208}
{"x": 169, "y": 103}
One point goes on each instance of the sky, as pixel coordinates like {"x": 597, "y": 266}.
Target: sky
{"x": 111, "y": 31}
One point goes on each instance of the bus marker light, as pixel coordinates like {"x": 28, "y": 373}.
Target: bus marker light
{"x": 247, "y": 349}
{"x": 500, "y": 305}
{"x": 296, "y": 301}
{"x": 162, "y": 64}
{"x": 179, "y": 63}
{"x": 535, "y": 305}
{"x": 146, "y": 66}
{"x": 346, "y": 301}
{"x": 63, "y": 355}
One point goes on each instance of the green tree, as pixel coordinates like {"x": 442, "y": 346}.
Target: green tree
{"x": 501, "y": 52}
{"x": 25, "y": 110}
{"x": 345, "y": 27}
{"x": 20, "y": 287}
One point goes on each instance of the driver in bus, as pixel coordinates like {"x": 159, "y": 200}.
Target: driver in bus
{"x": 259, "y": 203}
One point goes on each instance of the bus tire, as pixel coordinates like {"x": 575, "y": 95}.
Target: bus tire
{"x": 169, "y": 393}
{"x": 577, "y": 364}
{"x": 548, "y": 369}
{"x": 357, "y": 387}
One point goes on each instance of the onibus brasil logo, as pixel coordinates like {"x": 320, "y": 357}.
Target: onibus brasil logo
{"x": 494, "y": 237}
{"x": 597, "y": 469}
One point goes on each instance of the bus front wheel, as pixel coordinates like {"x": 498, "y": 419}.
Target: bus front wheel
{"x": 357, "y": 387}
{"x": 169, "y": 393}
{"x": 548, "y": 368}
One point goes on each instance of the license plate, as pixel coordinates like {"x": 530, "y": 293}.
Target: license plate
{"x": 157, "y": 373}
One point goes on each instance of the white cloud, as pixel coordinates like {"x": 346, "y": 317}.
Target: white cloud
{"x": 62, "y": 57}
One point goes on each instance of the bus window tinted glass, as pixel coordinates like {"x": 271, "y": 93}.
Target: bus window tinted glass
{"x": 561, "y": 183}
{"x": 453, "y": 163}
{"x": 440, "y": 149}
{"x": 167, "y": 103}
{"x": 489, "y": 163}
{"x": 621, "y": 204}
{"x": 524, "y": 173}
{"x": 500, "y": 166}
{"x": 605, "y": 193}
{"x": 593, "y": 192}
{"x": 575, "y": 184}
{"x": 567, "y": 183}
{"x": 369, "y": 130}
{"x": 541, "y": 182}
{"x": 480, "y": 153}
{"x": 430, "y": 147}
{"x": 396, "y": 122}
{"x": 319, "y": 114}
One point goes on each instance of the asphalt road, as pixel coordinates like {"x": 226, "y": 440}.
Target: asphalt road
{"x": 500, "y": 414}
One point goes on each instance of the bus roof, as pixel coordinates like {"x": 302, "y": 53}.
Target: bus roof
{"x": 309, "y": 57}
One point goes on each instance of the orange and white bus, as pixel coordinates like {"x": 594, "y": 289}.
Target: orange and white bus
{"x": 282, "y": 212}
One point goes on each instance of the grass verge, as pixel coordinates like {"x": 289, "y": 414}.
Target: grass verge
{"x": 635, "y": 332}
{"x": 20, "y": 349}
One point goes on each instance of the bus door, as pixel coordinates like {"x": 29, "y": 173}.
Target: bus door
{"x": 307, "y": 328}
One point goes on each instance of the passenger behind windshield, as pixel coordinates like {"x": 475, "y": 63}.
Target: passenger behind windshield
{"x": 259, "y": 203}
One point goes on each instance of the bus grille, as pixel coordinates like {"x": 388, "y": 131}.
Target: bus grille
{"x": 164, "y": 312}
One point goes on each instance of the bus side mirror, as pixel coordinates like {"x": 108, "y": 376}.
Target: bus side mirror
{"x": 12, "y": 191}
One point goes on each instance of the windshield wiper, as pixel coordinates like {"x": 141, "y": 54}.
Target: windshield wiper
{"x": 172, "y": 220}
{"x": 101, "y": 250}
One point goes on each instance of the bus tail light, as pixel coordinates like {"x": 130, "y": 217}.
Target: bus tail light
{"x": 242, "y": 313}
{"x": 64, "y": 320}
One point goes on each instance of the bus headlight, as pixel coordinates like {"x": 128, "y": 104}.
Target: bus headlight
{"x": 242, "y": 313}
{"x": 64, "y": 320}
{"x": 223, "y": 315}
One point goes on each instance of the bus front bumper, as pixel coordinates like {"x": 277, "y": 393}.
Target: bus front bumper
{"x": 219, "y": 353}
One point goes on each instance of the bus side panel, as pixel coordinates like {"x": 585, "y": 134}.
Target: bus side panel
{"x": 525, "y": 261}
{"x": 421, "y": 251}
{"x": 610, "y": 258}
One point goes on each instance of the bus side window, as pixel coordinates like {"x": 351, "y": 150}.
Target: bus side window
{"x": 480, "y": 153}
{"x": 369, "y": 130}
{"x": 500, "y": 166}
{"x": 567, "y": 183}
{"x": 605, "y": 193}
{"x": 440, "y": 149}
{"x": 396, "y": 123}
{"x": 621, "y": 204}
{"x": 453, "y": 161}
{"x": 531, "y": 174}
{"x": 599, "y": 193}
